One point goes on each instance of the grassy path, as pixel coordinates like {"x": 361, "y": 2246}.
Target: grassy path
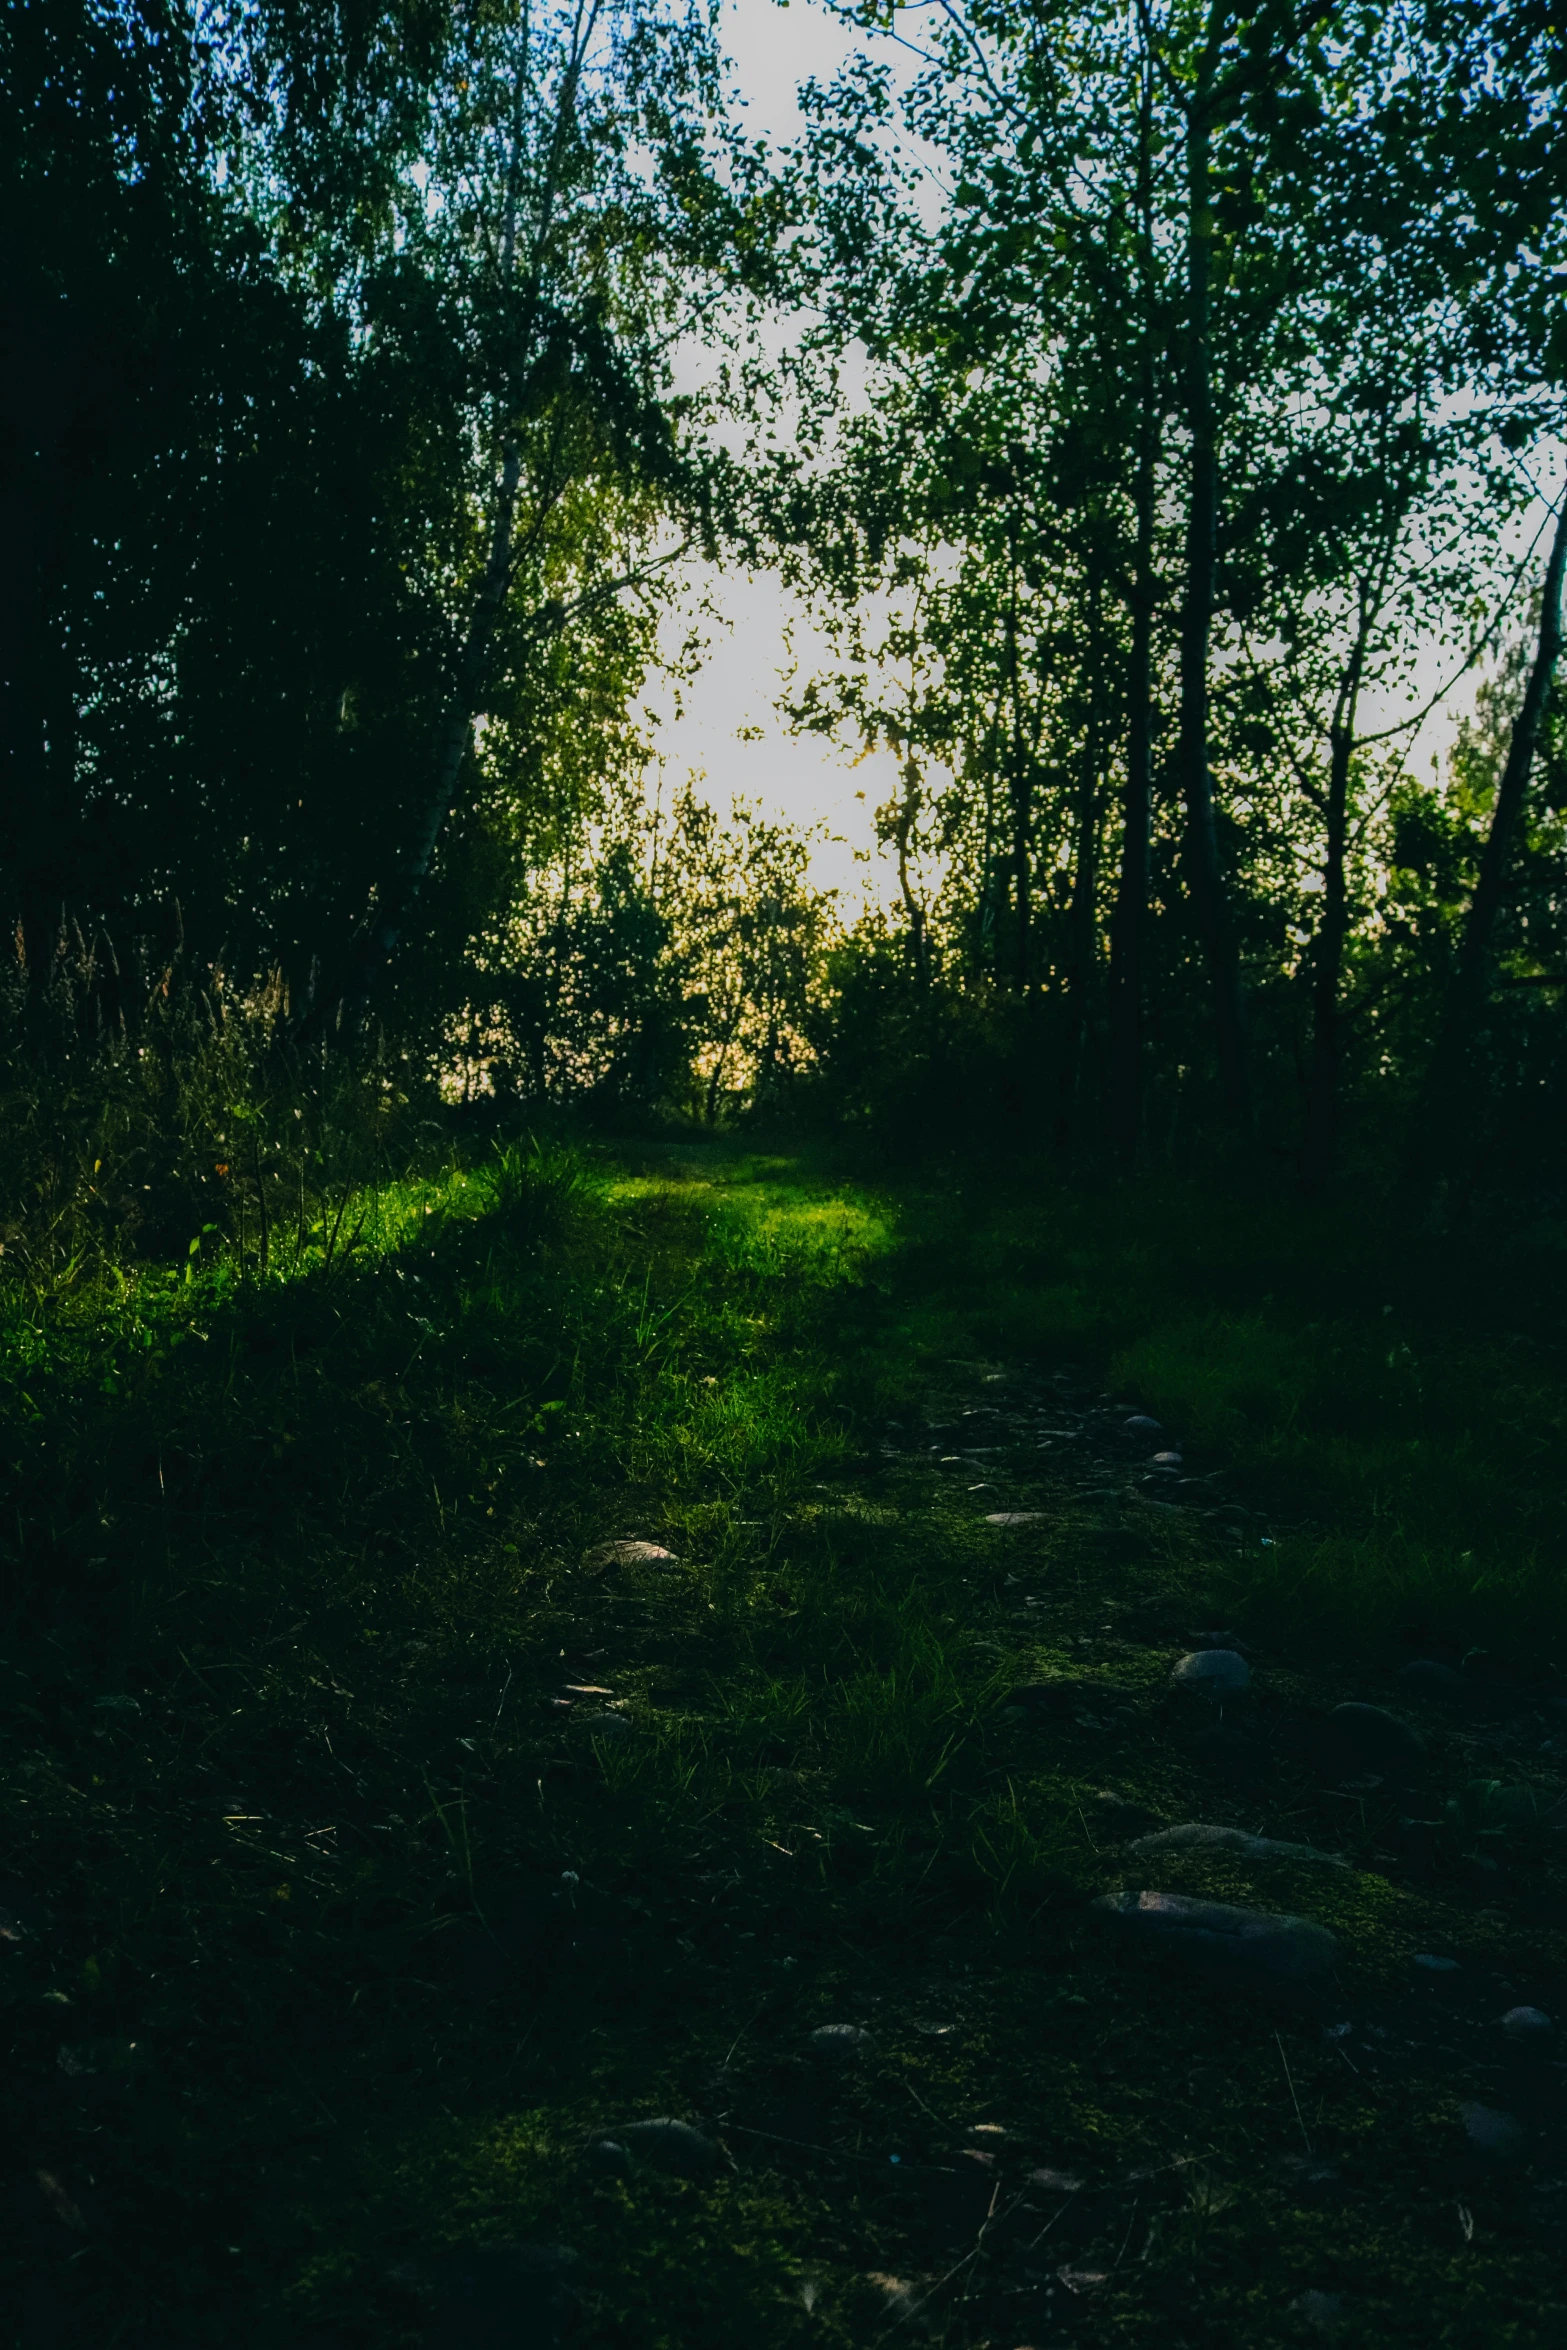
{"x": 379, "y": 1853}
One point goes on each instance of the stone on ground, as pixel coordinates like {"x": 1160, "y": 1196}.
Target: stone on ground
{"x": 1201, "y": 1836}
{"x": 628, "y": 1553}
{"x": 1222, "y": 1937}
{"x": 1212, "y": 1672}
{"x": 1323, "y": 2311}
{"x": 1492, "y": 2132}
{"x": 841, "y": 2040}
{"x": 667, "y": 2144}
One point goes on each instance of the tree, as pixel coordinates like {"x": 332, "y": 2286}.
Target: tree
{"x": 551, "y": 226}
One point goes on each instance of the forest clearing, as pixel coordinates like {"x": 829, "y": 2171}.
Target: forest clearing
{"x": 596, "y": 1722}
{"x": 783, "y": 1569}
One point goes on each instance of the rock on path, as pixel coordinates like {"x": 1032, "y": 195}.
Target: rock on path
{"x": 841, "y": 2041}
{"x": 667, "y": 2144}
{"x": 1222, "y": 1937}
{"x": 1200, "y": 1836}
{"x": 1492, "y": 2132}
{"x": 629, "y": 1553}
{"x": 1212, "y": 1672}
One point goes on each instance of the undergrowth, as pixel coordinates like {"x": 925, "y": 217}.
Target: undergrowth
{"x": 374, "y": 1841}
{"x": 1395, "y": 1398}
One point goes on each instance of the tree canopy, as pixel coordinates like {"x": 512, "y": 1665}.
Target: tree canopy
{"x": 1159, "y": 407}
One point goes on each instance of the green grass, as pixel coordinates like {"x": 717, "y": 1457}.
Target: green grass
{"x": 1396, "y": 1400}
{"x": 353, "y": 1937}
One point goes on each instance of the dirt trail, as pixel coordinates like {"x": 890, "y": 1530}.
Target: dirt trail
{"x": 507, "y": 1905}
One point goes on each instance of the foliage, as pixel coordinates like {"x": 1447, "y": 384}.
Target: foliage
{"x": 1000, "y": 535}
{"x": 329, "y": 302}
{"x": 379, "y": 369}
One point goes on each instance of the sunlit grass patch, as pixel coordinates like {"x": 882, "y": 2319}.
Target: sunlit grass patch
{"x": 764, "y": 1220}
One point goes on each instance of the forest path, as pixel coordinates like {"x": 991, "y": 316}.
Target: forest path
{"x": 432, "y": 1921}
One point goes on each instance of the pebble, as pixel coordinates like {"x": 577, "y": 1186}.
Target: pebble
{"x": 1527, "y": 2023}
{"x": 1426, "y": 1678}
{"x": 1141, "y": 1421}
{"x": 628, "y": 1553}
{"x": 1201, "y": 1836}
{"x": 614, "y": 1727}
{"x": 1212, "y": 1672}
{"x": 841, "y": 2040}
{"x": 1372, "y": 1739}
{"x": 1015, "y": 1518}
{"x": 1083, "y": 2280}
{"x": 1307, "y": 2174}
{"x": 1434, "y": 1965}
{"x": 1222, "y": 1935}
{"x": 1325, "y": 2311}
{"x": 669, "y": 2145}
{"x": 1167, "y": 1460}
{"x": 1492, "y": 2131}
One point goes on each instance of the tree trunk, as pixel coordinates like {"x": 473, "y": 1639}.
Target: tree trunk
{"x": 1470, "y": 981}
{"x": 1022, "y": 861}
{"x": 1131, "y": 904}
{"x": 1020, "y": 793}
{"x": 1202, "y": 842}
{"x": 1080, "y": 925}
{"x": 1321, "y": 1134}
{"x": 453, "y": 740}
{"x": 454, "y": 735}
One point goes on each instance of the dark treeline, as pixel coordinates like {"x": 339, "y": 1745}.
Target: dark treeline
{"x": 1169, "y": 410}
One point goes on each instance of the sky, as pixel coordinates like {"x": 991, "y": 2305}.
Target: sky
{"x": 773, "y": 50}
